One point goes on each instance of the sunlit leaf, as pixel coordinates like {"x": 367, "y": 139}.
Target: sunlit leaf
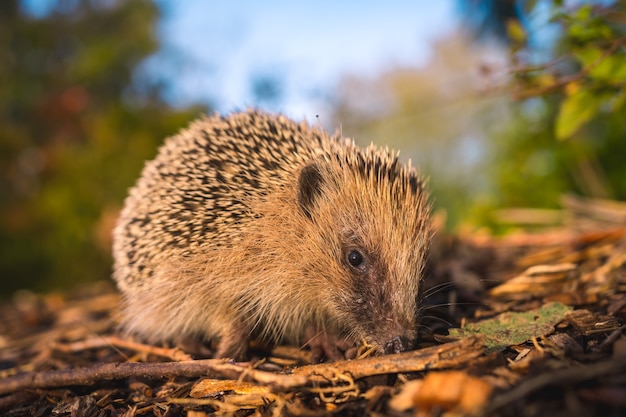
{"x": 576, "y": 110}
{"x": 583, "y": 13}
{"x": 545, "y": 80}
{"x": 516, "y": 31}
{"x": 618, "y": 101}
{"x": 572, "y": 88}
{"x": 601, "y": 66}
{"x": 585, "y": 27}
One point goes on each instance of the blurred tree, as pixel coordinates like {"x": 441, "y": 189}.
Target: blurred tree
{"x": 563, "y": 131}
{"x": 568, "y": 133}
{"x": 487, "y": 19}
{"x": 75, "y": 128}
{"x": 436, "y": 115}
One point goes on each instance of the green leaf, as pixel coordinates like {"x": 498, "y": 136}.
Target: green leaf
{"x": 618, "y": 101}
{"x": 514, "y": 328}
{"x": 576, "y": 110}
{"x": 584, "y": 27}
{"x": 516, "y": 31}
{"x": 610, "y": 68}
{"x": 588, "y": 55}
{"x": 583, "y": 13}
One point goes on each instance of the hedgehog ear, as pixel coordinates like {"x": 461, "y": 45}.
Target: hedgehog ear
{"x": 309, "y": 188}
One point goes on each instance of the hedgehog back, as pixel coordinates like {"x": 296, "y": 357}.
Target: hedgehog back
{"x": 197, "y": 192}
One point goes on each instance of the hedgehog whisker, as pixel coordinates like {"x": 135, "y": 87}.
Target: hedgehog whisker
{"x": 437, "y": 288}
{"x": 454, "y": 304}
{"x": 437, "y": 319}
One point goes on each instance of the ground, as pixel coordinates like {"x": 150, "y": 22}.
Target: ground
{"x": 529, "y": 324}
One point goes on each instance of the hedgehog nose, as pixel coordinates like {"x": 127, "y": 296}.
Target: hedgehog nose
{"x": 398, "y": 344}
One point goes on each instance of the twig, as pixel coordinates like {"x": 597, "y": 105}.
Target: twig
{"x": 436, "y": 357}
{"x": 158, "y": 370}
{"x": 109, "y": 341}
{"x": 449, "y": 355}
{"x": 12, "y": 400}
{"x": 534, "y": 92}
{"x": 567, "y": 376}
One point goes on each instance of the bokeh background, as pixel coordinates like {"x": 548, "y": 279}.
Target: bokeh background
{"x": 502, "y": 103}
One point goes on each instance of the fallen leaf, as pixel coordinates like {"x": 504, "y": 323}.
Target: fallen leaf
{"x": 404, "y": 399}
{"x": 509, "y": 329}
{"x": 211, "y": 387}
{"x": 452, "y": 390}
{"x": 536, "y": 281}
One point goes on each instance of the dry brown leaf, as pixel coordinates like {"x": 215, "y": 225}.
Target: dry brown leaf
{"x": 404, "y": 399}
{"x": 194, "y": 413}
{"x": 209, "y": 387}
{"x": 452, "y": 390}
{"x": 537, "y": 281}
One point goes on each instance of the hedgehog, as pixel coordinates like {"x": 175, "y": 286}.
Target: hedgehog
{"x": 253, "y": 226}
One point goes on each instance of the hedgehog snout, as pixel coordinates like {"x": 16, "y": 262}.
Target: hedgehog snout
{"x": 398, "y": 344}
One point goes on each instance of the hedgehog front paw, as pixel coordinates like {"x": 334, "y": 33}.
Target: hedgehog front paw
{"x": 327, "y": 346}
{"x": 233, "y": 344}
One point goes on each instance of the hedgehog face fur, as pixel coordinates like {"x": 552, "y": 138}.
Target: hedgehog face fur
{"x": 255, "y": 226}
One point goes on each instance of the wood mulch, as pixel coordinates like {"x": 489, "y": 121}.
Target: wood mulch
{"x": 530, "y": 324}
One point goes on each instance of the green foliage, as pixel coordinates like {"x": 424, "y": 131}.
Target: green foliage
{"x": 74, "y": 134}
{"x": 563, "y": 132}
{"x": 491, "y": 18}
{"x": 576, "y": 110}
{"x": 435, "y": 117}
{"x": 581, "y": 88}
{"x": 588, "y": 70}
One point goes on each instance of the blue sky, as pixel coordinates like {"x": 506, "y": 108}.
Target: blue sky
{"x": 309, "y": 46}
{"x": 219, "y": 46}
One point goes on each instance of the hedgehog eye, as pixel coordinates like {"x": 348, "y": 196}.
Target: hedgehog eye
{"x": 355, "y": 259}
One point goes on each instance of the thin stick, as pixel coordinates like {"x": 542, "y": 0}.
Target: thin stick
{"x": 436, "y": 357}
{"x": 568, "y": 376}
{"x": 174, "y": 354}
{"x": 449, "y": 355}
{"x": 154, "y": 370}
